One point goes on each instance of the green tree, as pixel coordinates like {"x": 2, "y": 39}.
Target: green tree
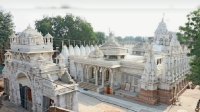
{"x": 6, "y": 29}
{"x": 129, "y": 38}
{"x": 190, "y": 35}
{"x": 67, "y": 27}
{"x": 100, "y": 36}
{"x": 190, "y": 32}
{"x": 138, "y": 39}
{"x": 118, "y": 38}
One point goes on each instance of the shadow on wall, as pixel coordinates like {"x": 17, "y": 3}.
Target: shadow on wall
{"x": 1, "y": 68}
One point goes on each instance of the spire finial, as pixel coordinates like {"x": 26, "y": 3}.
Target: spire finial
{"x": 151, "y": 50}
{"x": 29, "y": 26}
{"x": 163, "y": 16}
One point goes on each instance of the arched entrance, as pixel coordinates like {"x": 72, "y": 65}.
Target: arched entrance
{"x": 25, "y": 91}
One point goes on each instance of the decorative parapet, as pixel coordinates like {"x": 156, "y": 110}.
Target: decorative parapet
{"x": 139, "y": 61}
{"x": 62, "y": 89}
{"x": 98, "y": 62}
{"x": 114, "y": 51}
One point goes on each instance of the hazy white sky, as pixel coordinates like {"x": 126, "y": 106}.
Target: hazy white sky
{"x": 123, "y": 17}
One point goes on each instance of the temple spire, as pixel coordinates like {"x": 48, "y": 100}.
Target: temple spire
{"x": 29, "y": 26}
{"x": 110, "y": 34}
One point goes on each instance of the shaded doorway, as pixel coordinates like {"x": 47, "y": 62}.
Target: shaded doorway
{"x": 107, "y": 75}
{"x": 25, "y": 92}
{"x": 6, "y": 86}
{"x": 47, "y": 102}
{"x": 92, "y": 75}
{"x": 26, "y": 98}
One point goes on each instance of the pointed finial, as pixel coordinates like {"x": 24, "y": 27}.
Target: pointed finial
{"x": 29, "y": 26}
{"x": 163, "y": 16}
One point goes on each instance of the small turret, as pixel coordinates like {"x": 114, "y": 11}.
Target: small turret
{"x": 8, "y": 56}
{"x": 60, "y": 60}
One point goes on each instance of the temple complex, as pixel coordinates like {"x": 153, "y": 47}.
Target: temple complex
{"x": 32, "y": 80}
{"x": 151, "y": 73}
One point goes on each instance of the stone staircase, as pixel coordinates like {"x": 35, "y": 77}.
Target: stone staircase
{"x": 89, "y": 86}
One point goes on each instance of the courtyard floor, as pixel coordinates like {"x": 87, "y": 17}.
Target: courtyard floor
{"x": 89, "y": 104}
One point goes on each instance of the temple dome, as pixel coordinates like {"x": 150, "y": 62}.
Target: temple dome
{"x": 162, "y": 34}
{"x": 112, "y": 48}
{"x": 31, "y": 33}
{"x": 96, "y": 53}
{"x": 71, "y": 50}
{"x": 48, "y": 35}
{"x": 144, "y": 46}
{"x": 87, "y": 50}
{"x": 111, "y": 42}
{"x": 77, "y": 50}
{"x": 82, "y": 50}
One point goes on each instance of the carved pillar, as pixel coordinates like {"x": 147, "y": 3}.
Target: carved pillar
{"x": 83, "y": 68}
{"x": 76, "y": 65}
{"x": 102, "y": 73}
{"x": 96, "y": 77}
{"x": 111, "y": 80}
{"x": 87, "y": 72}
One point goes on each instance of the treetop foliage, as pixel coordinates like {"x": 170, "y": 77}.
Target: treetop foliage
{"x": 6, "y": 28}
{"x": 190, "y": 35}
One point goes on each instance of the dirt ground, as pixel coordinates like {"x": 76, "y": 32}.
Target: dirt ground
{"x": 189, "y": 101}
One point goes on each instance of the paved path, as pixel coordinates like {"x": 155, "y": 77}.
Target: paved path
{"x": 128, "y": 106}
{"x": 189, "y": 100}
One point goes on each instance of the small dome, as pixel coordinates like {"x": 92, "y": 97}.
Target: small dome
{"x": 76, "y": 50}
{"x": 87, "y": 49}
{"x": 48, "y": 35}
{"x": 65, "y": 53}
{"x": 31, "y": 33}
{"x": 96, "y": 53}
{"x": 71, "y": 50}
{"x": 92, "y": 48}
{"x": 8, "y": 53}
{"x": 82, "y": 49}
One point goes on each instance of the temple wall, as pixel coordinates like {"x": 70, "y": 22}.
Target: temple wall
{"x": 79, "y": 72}
{"x": 72, "y": 68}
{"x": 131, "y": 70}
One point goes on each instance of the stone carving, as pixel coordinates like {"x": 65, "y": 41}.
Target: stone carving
{"x": 38, "y": 97}
{"x": 96, "y": 53}
{"x": 67, "y": 78}
{"x": 37, "y": 83}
